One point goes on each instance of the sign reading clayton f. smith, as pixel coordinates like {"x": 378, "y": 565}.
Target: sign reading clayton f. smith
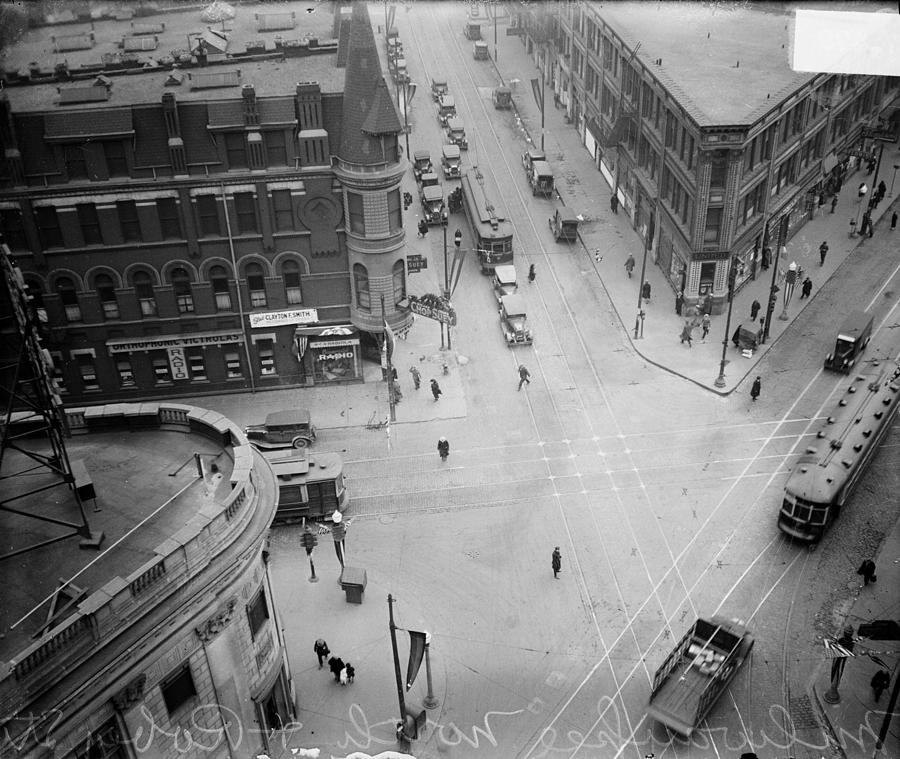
{"x": 293, "y": 316}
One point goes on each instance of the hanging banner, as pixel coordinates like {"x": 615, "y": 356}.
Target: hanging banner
{"x": 416, "y": 652}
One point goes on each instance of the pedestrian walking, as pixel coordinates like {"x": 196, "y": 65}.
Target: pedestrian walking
{"x": 871, "y": 228}
{"x": 806, "y": 289}
{"x": 321, "y": 649}
{"x": 531, "y": 273}
{"x": 417, "y": 378}
{"x": 335, "y": 664}
{"x": 524, "y": 376}
{"x": 823, "y": 251}
{"x": 614, "y": 203}
{"x": 556, "y": 563}
{"x": 686, "y": 335}
{"x": 679, "y": 303}
{"x": 893, "y": 221}
{"x": 736, "y": 337}
{"x": 645, "y": 292}
{"x": 629, "y": 263}
{"x": 879, "y": 682}
{"x": 834, "y": 202}
{"x": 756, "y": 388}
{"x": 443, "y": 447}
{"x": 435, "y": 389}
{"x": 351, "y": 672}
{"x": 766, "y": 258}
{"x": 754, "y": 309}
{"x": 867, "y": 570}
{"x": 882, "y": 188}
{"x": 704, "y": 325}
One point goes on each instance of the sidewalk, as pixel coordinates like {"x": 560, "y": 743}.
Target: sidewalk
{"x": 609, "y": 239}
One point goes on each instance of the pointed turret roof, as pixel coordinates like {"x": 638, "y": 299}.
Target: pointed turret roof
{"x": 369, "y": 110}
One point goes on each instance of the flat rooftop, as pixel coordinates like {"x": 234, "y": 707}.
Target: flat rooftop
{"x": 147, "y": 489}
{"x": 173, "y": 31}
{"x": 726, "y": 63}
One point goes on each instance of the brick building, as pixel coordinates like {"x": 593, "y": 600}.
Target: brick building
{"x": 228, "y": 223}
{"x": 715, "y": 147}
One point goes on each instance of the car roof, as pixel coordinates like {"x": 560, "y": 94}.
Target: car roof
{"x": 455, "y": 123}
{"x": 287, "y": 417}
{"x": 447, "y": 100}
{"x": 421, "y": 155}
{"x": 541, "y": 167}
{"x": 566, "y": 214}
{"x": 451, "y": 151}
{"x": 506, "y": 274}
{"x": 429, "y": 176}
{"x": 514, "y": 305}
{"x": 433, "y": 192}
{"x": 535, "y": 155}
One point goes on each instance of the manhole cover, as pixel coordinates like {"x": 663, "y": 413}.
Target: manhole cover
{"x": 802, "y": 713}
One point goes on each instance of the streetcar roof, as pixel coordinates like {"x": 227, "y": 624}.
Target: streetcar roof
{"x": 487, "y": 204}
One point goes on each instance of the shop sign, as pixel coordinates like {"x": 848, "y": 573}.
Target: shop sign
{"x": 433, "y": 307}
{"x": 416, "y": 262}
{"x": 173, "y": 341}
{"x": 292, "y": 316}
{"x": 178, "y": 363}
{"x": 332, "y": 343}
{"x": 334, "y": 356}
{"x": 881, "y": 134}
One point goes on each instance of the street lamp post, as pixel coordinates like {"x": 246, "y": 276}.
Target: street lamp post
{"x": 408, "y": 92}
{"x": 732, "y": 275}
{"x": 389, "y": 369}
{"x": 445, "y": 289}
{"x": 789, "y": 279}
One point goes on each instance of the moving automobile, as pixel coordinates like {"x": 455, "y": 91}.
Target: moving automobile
{"x": 541, "y": 178}
{"x": 502, "y": 97}
{"x": 456, "y": 133}
{"x": 504, "y": 281}
{"x": 439, "y": 88}
{"x": 564, "y": 224}
{"x": 446, "y": 109}
{"x": 529, "y": 157}
{"x": 852, "y": 339}
{"x": 291, "y": 428}
{"x": 480, "y": 51}
{"x": 513, "y": 320}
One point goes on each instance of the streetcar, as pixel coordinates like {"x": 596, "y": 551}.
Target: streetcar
{"x": 491, "y": 228}
{"x": 824, "y": 477}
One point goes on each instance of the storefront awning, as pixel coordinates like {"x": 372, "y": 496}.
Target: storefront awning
{"x": 340, "y": 330}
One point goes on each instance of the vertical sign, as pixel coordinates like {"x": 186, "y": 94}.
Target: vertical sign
{"x": 178, "y": 362}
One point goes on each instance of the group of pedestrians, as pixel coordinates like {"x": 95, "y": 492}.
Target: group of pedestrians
{"x": 344, "y": 673}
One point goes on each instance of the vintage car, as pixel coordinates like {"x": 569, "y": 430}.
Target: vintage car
{"x": 394, "y": 49}
{"x": 432, "y": 197}
{"x": 852, "y": 339}
{"x": 422, "y": 164}
{"x": 439, "y": 88}
{"x": 450, "y": 161}
{"x": 564, "y": 225}
{"x": 502, "y": 97}
{"x": 541, "y": 179}
{"x": 513, "y": 320}
{"x": 529, "y": 157}
{"x": 504, "y": 281}
{"x": 446, "y": 109}
{"x": 480, "y": 51}
{"x": 398, "y": 70}
{"x": 472, "y": 30}
{"x": 291, "y": 428}
{"x": 456, "y": 133}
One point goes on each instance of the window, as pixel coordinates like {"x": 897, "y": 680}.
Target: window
{"x": 276, "y": 148}
{"x": 752, "y": 203}
{"x": 399, "y": 281}
{"x": 181, "y": 284}
{"x": 361, "y": 285}
{"x": 256, "y": 284}
{"x": 245, "y": 209}
{"x": 36, "y": 294}
{"x": 266, "y": 350}
{"x": 116, "y": 164}
{"x": 87, "y": 372}
{"x": 169, "y": 223}
{"x": 143, "y": 288}
{"x": 395, "y": 213}
{"x": 233, "y": 365}
{"x": 178, "y": 688}
{"x": 48, "y": 226}
{"x": 221, "y": 290}
{"x": 257, "y": 612}
{"x": 13, "y": 228}
{"x": 126, "y": 374}
{"x": 283, "y": 210}
{"x": 106, "y": 292}
{"x": 235, "y": 151}
{"x": 161, "y": 371}
{"x": 128, "y": 218}
{"x": 104, "y": 742}
{"x": 355, "y": 213}
{"x": 718, "y": 169}
{"x": 76, "y": 163}
{"x": 196, "y": 364}
{"x": 290, "y": 273}
{"x": 713, "y": 225}
{"x": 208, "y": 215}
{"x": 90, "y": 223}
{"x": 66, "y": 289}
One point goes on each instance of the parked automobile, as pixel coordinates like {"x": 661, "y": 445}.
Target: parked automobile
{"x": 529, "y": 157}
{"x": 398, "y": 70}
{"x": 852, "y": 339}
{"x": 438, "y": 89}
{"x": 541, "y": 179}
{"x": 480, "y": 51}
{"x": 451, "y": 161}
{"x": 446, "y": 109}
{"x": 564, "y": 224}
{"x": 432, "y": 197}
{"x": 456, "y": 133}
{"x": 472, "y": 30}
{"x": 421, "y": 164}
{"x": 513, "y": 320}
{"x": 291, "y": 428}
{"x": 502, "y": 97}
{"x": 504, "y": 281}
{"x": 394, "y": 49}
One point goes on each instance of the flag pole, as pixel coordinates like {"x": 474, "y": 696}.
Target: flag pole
{"x": 393, "y": 629}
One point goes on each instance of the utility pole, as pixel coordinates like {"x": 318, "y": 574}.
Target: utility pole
{"x": 732, "y": 275}
{"x": 389, "y": 369}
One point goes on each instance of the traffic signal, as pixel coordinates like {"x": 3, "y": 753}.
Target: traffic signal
{"x": 309, "y": 541}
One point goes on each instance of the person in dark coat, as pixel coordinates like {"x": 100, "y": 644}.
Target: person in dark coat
{"x": 679, "y": 303}
{"x": 756, "y": 388}
{"x": 321, "y": 649}
{"x": 766, "y": 257}
{"x": 645, "y": 291}
{"x": 531, "y": 273}
{"x": 823, "y": 251}
{"x": 834, "y": 202}
{"x": 736, "y": 337}
{"x": 754, "y": 309}
{"x": 435, "y": 389}
{"x": 806, "y": 289}
{"x": 893, "y": 221}
{"x": 556, "y": 563}
{"x": 524, "y": 375}
{"x": 880, "y": 680}
{"x": 336, "y": 664}
{"x": 867, "y": 570}
{"x": 614, "y": 203}
{"x": 351, "y": 672}
{"x": 686, "y": 335}
{"x": 423, "y": 227}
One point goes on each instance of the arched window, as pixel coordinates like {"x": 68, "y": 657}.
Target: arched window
{"x": 218, "y": 277}
{"x": 181, "y": 284}
{"x": 143, "y": 288}
{"x": 66, "y": 289}
{"x": 256, "y": 284}
{"x": 290, "y": 273}
{"x": 106, "y": 292}
{"x": 399, "y": 277}
{"x": 361, "y": 285}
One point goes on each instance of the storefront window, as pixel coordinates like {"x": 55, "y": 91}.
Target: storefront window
{"x": 126, "y": 375}
{"x": 219, "y": 279}
{"x": 88, "y": 372}
{"x": 399, "y": 277}
{"x": 196, "y": 363}
{"x": 361, "y": 282}
{"x": 256, "y": 283}
{"x": 161, "y": 371}
{"x": 266, "y": 351}
{"x": 233, "y": 365}
{"x": 290, "y": 274}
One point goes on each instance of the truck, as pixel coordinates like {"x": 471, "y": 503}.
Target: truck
{"x": 439, "y": 88}
{"x": 541, "y": 179}
{"x": 852, "y": 339}
{"x": 529, "y": 157}
{"x": 431, "y": 194}
{"x": 697, "y": 672}
{"x": 456, "y": 133}
{"x": 502, "y": 97}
